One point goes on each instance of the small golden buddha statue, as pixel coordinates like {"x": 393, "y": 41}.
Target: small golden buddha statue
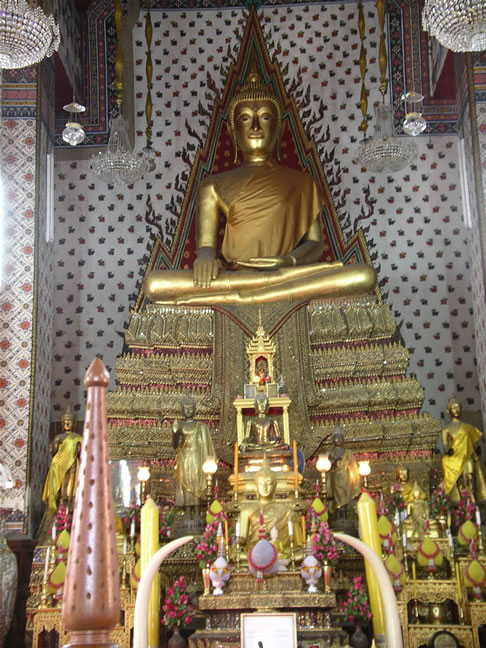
{"x": 192, "y": 440}
{"x": 417, "y": 523}
{"x": 404, "y": 485}
{"x": 273, "y": 234}
{"x": 343, "y": 480}
{"x": 460, "y": 463}
{"x": 276, "y": 515}
{"x": 262, "y": 431}
{"x": 62, "y": 478}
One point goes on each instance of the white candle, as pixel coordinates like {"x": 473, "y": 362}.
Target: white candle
{"x": 404, "y": 539}
{"x": 53, "y": 532}
{"x": 237, "y": 529}
{"x": 291, "y": 528}
{"x": 478, "y": 518}
{"x": 46, "y": 566}
{"x": 132, "y": 528}
{"x": 397, "y": 519}
{"x": 449, "y": 537}
{"x": 124, "y": 545}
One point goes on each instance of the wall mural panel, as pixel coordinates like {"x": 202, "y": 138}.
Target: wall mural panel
{"x": 413, "y": 220}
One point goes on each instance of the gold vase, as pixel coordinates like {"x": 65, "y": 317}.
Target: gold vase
{"x": 206, "y": 580}
{"x": 326, "y": 575}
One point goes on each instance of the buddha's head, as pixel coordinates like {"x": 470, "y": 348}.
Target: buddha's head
{"x": 68, "y": 420}
{"x": 261, "y": 403}
{"x": 338, "y": 437}
{"x": 403, "y": 474}
{"x": 255, "y": 119}
{"x": 454, "y": 407}
{"x": 265, "y": 480}
{"x": 188, "y": 406}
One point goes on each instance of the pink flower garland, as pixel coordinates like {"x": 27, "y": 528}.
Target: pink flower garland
{"x": 176, "y": 606}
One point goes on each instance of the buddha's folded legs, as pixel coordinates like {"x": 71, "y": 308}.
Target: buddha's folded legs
{"x": 248, "y": 287}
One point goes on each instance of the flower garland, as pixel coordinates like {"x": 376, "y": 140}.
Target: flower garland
{"x": 439, "y": 502}
{"x": 176, "y": 606}
{"x": 465, "y": 509}
{"x": 63, "y": 520}
{"x": 395, "y": 500}
{"x": 207, "y": 547}
{"x": 356, "y": 607}
{"x": 323, "y": 544}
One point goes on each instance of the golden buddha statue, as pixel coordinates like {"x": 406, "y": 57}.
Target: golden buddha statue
{"x": 62, "y": 478}
{"x": 460, "y": 463}
{"x": 417, "y": 519}
{"x": 343, "y": 480}
{"x": 405, "y": 485}
{"x": 192, "y": 440}
{"x": 273, "y": 234}
{"x": 262, "y": 431}
{"x": 276, "y": 514}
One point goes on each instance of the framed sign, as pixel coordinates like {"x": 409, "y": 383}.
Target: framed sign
{"x": 268, "y": 630}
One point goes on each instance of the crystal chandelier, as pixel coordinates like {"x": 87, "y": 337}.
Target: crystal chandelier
{"x": 119, "y": 164}
{"x": 459, "y": 25}
{"x": 383, "y": 152}
{"x": 27, "y": 35}
{"x": 73, "y": 133}
{"x": 414, "y": 122}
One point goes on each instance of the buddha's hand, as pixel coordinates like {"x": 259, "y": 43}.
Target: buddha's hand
{"x": 267, "y": 263}
{"x": 205, "y": 268}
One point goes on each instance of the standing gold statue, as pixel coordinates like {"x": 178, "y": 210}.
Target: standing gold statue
{"x": 192, "y": 440}
{"x": 460, "y": 462}
{"x": 262, "y": 432}
{"x": 343, "y": 477}
{"x": 273, "y": 234}
{"x": 406, "y": 486}
{"x": 61, "y": 480}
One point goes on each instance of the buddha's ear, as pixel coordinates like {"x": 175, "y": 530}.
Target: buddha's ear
{"x": 235, "y": 146}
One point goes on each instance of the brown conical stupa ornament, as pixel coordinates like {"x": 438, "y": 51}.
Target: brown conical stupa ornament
{"x": 91, "y": 603}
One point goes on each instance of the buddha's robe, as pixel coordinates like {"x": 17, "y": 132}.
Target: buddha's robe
{"x": 278, "y": 515}
{"x": 65, "y": 459}
{"x": 461, "y": 440}
{"x": 196, "y": 447}
{"x": 270, "y": 214}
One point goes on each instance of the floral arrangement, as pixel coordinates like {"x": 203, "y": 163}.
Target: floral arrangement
{"x": 62, "y": 519}
{"x": 129, "y": 514}
{"x": 166, "y": 519}
{"x": 395, "y": 500}
{"x": 207, "y": 547}
{"x": 439, "y": 502}
{"x": 356, "y": 607}
{"x": 465, "y": 509}
{"x": 176, "y": 606}
{"x": 382, "y": 504}
{"x": 324, "y": 545}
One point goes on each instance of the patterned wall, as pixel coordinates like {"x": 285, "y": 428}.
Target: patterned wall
{"x": 18, "y": 173}
{"x": 413, "y": 219}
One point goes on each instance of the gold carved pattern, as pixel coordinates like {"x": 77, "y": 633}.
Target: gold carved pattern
{"x": 169, "y": 369}
{"x": 430, "y": 591}
{"x": 419, "y": 635}
{"x": 358, "y": 320}
{"x": 363, "y": 360}
{"x": 171, "y": 327}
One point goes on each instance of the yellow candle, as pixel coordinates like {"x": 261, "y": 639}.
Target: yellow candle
{"x": 414, "y": 576}
{"x": 235, "y": 486}
{"x": 303, "y": 529}
{"x": 226, "y": 532}
{"x": 149, "y": 526}
{"x": 296, "y": 466}
{"x": 368, "y": 525}
{"x": 458, "y": 578}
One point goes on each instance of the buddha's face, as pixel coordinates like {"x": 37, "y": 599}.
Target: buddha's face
{"x": 455, "y": 409}
{"x": 68, "y": 424}
{"x": 256, "y": 127}
{"x": 261, "y": 405}
{"x": 265, "y": 485}
{"x": 188, "y": 410}
{"x": 402, "y": 474}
